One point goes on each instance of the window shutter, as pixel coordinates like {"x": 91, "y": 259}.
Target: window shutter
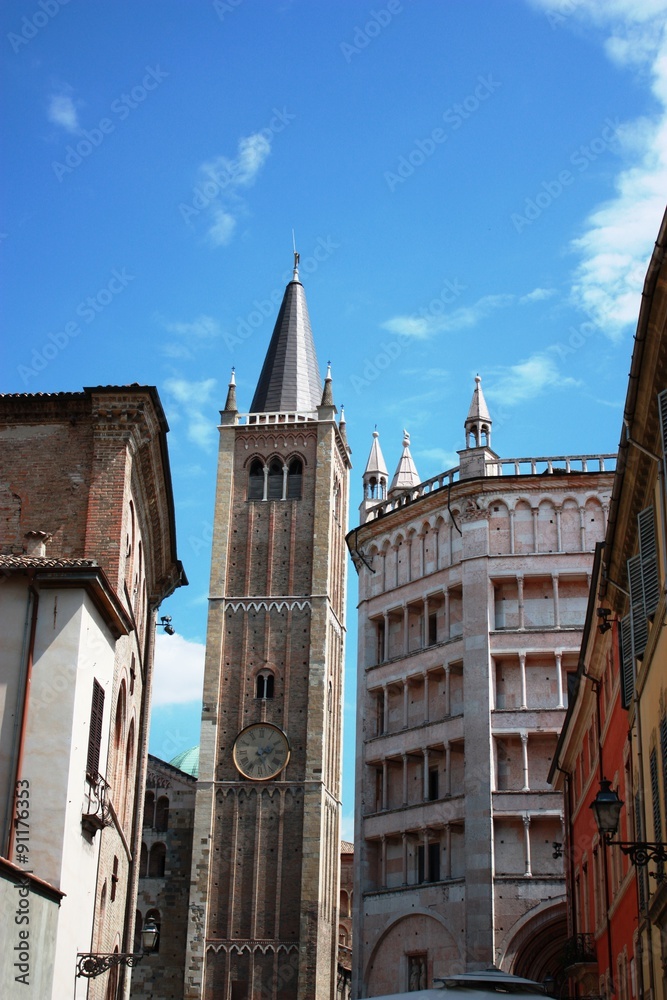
{"x": 662, "y": 408}
{"x": 627, "y": 664}
{"x": 649, "y": 561}
{"x": 638, "y": 623}
{"x": 95, "y": 731}
{"x": 655, "y": 795}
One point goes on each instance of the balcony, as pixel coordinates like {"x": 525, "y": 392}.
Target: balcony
{"x": 579, "y": 950}
{"x": 96, "y": 813}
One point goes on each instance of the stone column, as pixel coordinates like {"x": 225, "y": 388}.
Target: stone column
{"x": 405, "y": 857}
{"x": 405, "y": 779}
{"x": 385, "y": 706}
{"x": 409, "y": 545}
{"x": 386, "y": 635}
{"x": 406, "y": 630}
{"x": 526, "y": 843}
{"x": 426, "y": 713}
{"x": 522, "y": 674}
{"x": 554, "y": 584}
{"x": 406, "y": 700}
{"x": 425, "y": 776}
{"x": 582, "y": 529}
{"x": 558, "y": 529}
{"x": 383, "y": 875}
{"x": 448, "y": 769}
{"x": 384, "y": 784}
{"x": 524, "y": 753}
{"x": 536, "y": 534}
{"x": 384, "y": 569}
{"x": 284, "y": 482}
{"x": 447, "y": 623}
{"x": 512, "y": 532}
{"x": 448, "y": 699}
{"x": 448, "y": 850}
{"x": 425, "y": 624}
{"x": 519, "y": 593}
{"x": 559, "y": 677}
{"x": 266, "y": 482}
{"x": 427, "y": 873}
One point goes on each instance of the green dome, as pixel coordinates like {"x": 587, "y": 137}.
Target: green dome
{"x": 188, "y": 761}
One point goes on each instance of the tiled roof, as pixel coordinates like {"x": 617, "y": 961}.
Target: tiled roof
{"x": 44, "y": 562}
{"x": 346, "y": 847}
{"x": 290, "y": 379}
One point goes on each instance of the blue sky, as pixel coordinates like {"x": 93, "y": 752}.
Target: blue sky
{"x": 475, "y": 187}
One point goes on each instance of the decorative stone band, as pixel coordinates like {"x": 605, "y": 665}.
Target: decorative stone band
{"x": 250, "y": 945}
{"x": 265, "y": 603}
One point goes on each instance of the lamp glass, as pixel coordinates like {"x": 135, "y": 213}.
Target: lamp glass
{"x": 149, "y": 935}
{"x": 607, "y": 809}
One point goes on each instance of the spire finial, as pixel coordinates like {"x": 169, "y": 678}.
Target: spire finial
{"x": 295, "y": 273}
{"x": 327, "y": 395}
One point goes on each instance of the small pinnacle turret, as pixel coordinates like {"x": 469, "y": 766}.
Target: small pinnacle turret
{"x": 478, "y": 422}
{"x": 327, "y": 395}
{"x": 376, "y": 477}
{"x": 406, "y": 476}
{"x": 230, "y": 404}
{"x": 477, "y": 458}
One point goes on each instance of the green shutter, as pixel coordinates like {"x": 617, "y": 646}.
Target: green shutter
{"x": 649, "y": 562}
{"x": 638, "y": 622}
{"x": 627, "y": 663}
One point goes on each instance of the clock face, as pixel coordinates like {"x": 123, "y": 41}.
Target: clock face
{"x": 261, "y": 751}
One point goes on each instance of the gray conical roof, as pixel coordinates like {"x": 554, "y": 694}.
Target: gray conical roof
{"x": 478, "y": 408}
{"x": 406, "y": 476}
{"x": 290, "y": 379}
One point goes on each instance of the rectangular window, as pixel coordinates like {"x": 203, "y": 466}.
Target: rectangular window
{"x": 432, "y": 629}
{"x": 95, "y": 732}
{"x": 433, "y": 784}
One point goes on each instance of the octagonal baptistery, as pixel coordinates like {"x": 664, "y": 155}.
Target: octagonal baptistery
{"x": 472, "y": 596}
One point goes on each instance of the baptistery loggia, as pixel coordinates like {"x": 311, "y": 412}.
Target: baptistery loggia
{"x": 472, "y": 595}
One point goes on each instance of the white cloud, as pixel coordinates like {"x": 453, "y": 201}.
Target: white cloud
{"x": 220, "y": 181}
{"x": 62, "y": 111}
{"x": 222, "y": 229}
{"x": 527, "y": 379}
{"x": 189, "y": 400}
{"x": 430, "y": 322}
{"x": 615, "y": 242}
{"x": 179, "y": 670}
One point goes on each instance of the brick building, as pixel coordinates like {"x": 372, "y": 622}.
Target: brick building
{"x": 164, "y": 873}
{"x": 616, "y": 724}
{"x": 472, "y": 595}
{"x": 87, "y": 553}
{"x": 264, "y": 897}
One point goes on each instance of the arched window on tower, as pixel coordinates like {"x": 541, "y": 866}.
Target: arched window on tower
{"x": 294, "y": 479}
{"x": 156, "y": 861}
{"x": 149, "y": 807}
{"x": 275, "y": 487}
{"x": 264, "y": 686}
{"x": 256, "y": 480}
{"x": 162, "y": 813}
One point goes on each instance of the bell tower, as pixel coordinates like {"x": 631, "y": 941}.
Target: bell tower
{"x": 266, "y": 851}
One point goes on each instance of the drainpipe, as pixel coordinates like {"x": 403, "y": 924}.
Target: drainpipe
{"x": 21, "y": 717}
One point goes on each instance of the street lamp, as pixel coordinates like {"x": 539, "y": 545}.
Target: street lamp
{"x": 607, "y": 809}
{"x": 90, "y": 965}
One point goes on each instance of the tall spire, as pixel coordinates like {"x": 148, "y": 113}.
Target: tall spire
{"x": 406, "y": 476}
{"x": 230, "y": 404}
{"x": 290, "y": 379}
